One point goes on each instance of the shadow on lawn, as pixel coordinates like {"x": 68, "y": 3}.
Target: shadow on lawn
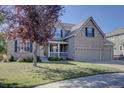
{"x": 67, "y": 74}
{"x": 8, "y": 85}
{"x": 59, "y": 62}
{"x": 12, "y": 85}
{"x": 3, "y": 84}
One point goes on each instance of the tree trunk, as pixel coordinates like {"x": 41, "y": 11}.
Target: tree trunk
{"x": 35, "y": 54}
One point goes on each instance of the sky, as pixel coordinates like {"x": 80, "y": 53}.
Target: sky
{"x": 109, "y": 18}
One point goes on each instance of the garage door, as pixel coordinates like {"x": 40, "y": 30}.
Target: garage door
{"x": 106, "y": 54}
{"x": 85, "y": 54}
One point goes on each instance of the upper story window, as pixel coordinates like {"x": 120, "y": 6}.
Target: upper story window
{"x": 59, "y": 33}
{"x": 89, "y": 32}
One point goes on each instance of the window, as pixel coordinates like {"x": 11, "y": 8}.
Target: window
{"x": 120, "y": 47}
{"x": 53, "y": 48}
{"x": 89, "y": 32}
{"x": 58, "y": 33}
{"x": 24, "y": 47}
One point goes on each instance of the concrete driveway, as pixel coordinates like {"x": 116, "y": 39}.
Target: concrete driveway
{"x": 118, "y": 64}
{"x": 115, "y": 80}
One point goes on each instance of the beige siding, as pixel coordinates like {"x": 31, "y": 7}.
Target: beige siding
{"x": 11, "y": 51}
{"x": 83, "y": 41}
{"x": 71, "y": 47}
{"x": 93, "y": 44}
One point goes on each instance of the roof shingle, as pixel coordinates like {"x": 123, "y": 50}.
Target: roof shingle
{"x": 116, "y": 32}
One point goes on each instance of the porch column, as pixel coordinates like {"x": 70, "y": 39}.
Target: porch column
{"x": 58, "y": 49}
{"x": 48, "y": 49}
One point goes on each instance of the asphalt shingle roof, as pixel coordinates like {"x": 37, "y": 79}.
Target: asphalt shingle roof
{"x": 116, "y": 32}
{"x": 67, "y": 26}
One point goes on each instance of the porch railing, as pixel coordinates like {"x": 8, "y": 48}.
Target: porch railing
{"x": 61, "y": 54}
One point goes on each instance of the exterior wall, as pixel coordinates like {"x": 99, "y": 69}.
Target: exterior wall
{"x": 117, "y": 40}
{"x": 93, "y": 44}
{"x": 71, "y": 47}
{"x": 16, "y": 55}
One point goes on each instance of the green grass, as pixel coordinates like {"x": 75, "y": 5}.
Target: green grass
{"x": 25, "y": 75}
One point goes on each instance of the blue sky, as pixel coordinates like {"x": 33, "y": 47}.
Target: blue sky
{"x": 108, "y": 18}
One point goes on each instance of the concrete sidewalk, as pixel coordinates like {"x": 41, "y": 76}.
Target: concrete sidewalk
{"x": 114, "y": 80}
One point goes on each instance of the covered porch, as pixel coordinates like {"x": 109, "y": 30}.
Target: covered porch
{"x": 58, "y": 49}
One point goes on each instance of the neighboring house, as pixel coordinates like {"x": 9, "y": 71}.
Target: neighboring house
{"x": 117, "y": 37}
{"x": 83, "y": 41}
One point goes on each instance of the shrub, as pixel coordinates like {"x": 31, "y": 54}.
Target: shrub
{"x": 69, "y": 59}
{"x": 11, "y": 58}
{"x": 29, "y": 59}
{"x": 54, "y": 59}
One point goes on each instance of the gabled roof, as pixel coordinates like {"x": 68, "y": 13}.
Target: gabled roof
{"x": 107, "y": 42}
{"x": 116, "y": 32}
{"x": 65, "y": 26}
{"x": 75, "y": 28}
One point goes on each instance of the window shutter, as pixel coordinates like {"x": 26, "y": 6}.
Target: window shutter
{"x": 15, "y": 45}
{"x": 61, "y": 34}
{"x": 93, "y": 32}
{"x": 31, "y": 47}
{"x": 86, "y": 32}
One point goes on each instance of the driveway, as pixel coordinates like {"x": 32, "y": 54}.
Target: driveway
{"x": 118, "y": 64}
{"x": 115, "y": 80}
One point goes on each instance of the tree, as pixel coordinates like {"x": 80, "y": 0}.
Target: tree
{"x": 2, "y": 38}
{"x": 3, "y": 44}
{"x": 34, "y": 23}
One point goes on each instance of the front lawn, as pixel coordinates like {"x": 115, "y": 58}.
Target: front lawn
{"x": 25, "y": 75}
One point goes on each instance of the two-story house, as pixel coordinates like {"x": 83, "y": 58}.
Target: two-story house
{"x": 117, "y": 38}
{"x": 83, "y": 41}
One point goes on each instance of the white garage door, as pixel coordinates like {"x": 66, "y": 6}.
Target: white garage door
{"x": 85, "y": 54}
{"x": 106, "y": 54}
{"x": 90, "y": 54}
